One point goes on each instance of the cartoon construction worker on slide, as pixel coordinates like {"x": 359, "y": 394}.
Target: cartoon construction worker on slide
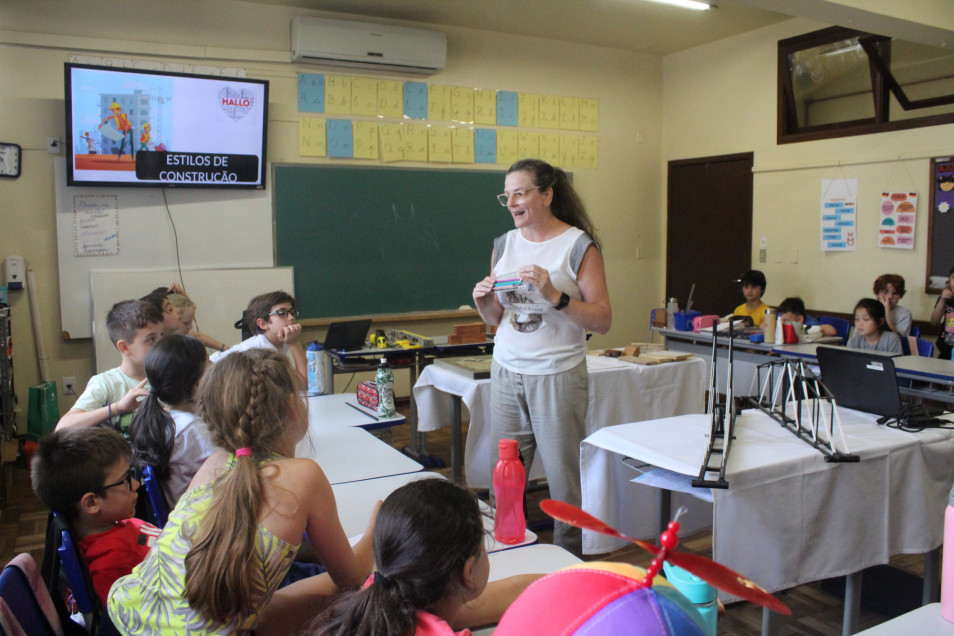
{"x": 144, "y": 137}
{"x": 122, "y": 130}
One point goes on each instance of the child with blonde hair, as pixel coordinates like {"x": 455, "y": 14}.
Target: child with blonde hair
{"x": 234, "y": 534}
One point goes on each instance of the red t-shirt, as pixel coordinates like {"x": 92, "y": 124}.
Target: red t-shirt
{"x": 112, "y": 554}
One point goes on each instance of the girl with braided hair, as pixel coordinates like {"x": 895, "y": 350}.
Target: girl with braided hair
{"x": 432, "y": 570}
{"x": 233, "y": 535}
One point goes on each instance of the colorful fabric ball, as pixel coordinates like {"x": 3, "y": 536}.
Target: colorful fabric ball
{"x": 597, "y": 599}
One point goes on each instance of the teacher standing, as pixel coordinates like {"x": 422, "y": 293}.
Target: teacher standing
{"x": 539, "y": 387}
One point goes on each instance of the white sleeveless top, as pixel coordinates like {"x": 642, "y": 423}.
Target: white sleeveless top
{"x": 533, "y": 338}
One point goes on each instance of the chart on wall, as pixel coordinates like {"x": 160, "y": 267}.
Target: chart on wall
{"x": 899, "y": 211}
{"x": 838, "y": 218}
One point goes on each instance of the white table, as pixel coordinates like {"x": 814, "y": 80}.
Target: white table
{"x": 333, "y": 411}
{"x": 619, "y": 392}
{"x": 356, "y": 499}
{"x": 352, "y": 454}
{"x": 532, "y": 559}
{"x": 936, "y": 372}
{"x": 924, "y": 621}
{"x": 788, "y": 517}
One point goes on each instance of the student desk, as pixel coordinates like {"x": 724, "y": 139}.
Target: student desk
{"x": 788, "y": 517}
{"x": 351, "y": 454}
{"x": 619, "y": 392}
{"x": 531, "y": 559}
{"x": 938, "y": 374}
{"x": 924, "y": 620}
{"x": 327, "y": 412}
{"x": 746, "y": 356}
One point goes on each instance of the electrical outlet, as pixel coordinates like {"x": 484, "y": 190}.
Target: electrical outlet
{"x": 762, "y": 255}
{"x": 69, "y": 385}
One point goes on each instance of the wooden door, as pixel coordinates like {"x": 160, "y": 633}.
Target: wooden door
{"x": 709, "y": 231}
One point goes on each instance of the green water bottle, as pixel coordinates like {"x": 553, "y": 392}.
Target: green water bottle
{"x": 384, "y": 379}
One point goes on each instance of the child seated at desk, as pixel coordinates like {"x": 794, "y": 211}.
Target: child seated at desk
{"x": 792, "y": 309}
{"x": 753, "y": 288}
{"x": 272, "y": 318}
{"x": 871, "y": 329}
{"x": 889, "y": 289}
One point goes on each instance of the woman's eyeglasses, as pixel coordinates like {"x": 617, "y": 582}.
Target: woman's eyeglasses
{"x": 516, "y": 195}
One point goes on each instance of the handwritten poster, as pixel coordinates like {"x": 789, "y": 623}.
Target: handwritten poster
{"x": 899, "y": 211}
{"x": 95, "y": 224}
{"x": 838, "y": 219}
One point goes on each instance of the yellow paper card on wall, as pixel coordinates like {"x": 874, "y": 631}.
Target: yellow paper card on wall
{"x": 337, "y": 95}
{"x": 569, "y": 113}
{"x": 588, "y": 152}
{"x": 391, "y": 138}
{"x": 549, "y": 112}
{"x": 550, "y": 148}
{"x": 390, "y": 99}
{"x": 311, "y": 137}
{"x": 415, "y": 142}
{"x": 462, "y": 105}
{"x": 528, "y": 110}
{"x": 485, "y": 107}
{"x": 439, "y": 144}
{"x": 589, "y": 115}
{"x": 462, "y": 145}
{"x": 569, "y": 151}
{"x": 529, "y": 144}
{"x": 365, "y": 139}
{"x": 507, "y": 147}
{"x": 438, "y": 102}
{"x": 364, "y": 96}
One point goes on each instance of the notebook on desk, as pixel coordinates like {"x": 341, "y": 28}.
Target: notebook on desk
{"x": 860, "y": 380}
{"x": 347, "y": 335}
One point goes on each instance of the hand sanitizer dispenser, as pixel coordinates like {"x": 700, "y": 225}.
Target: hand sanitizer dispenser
{"x": 14, "y": 272}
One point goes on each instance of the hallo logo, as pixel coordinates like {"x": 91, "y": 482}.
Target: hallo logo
{"x": 236, "y": 102}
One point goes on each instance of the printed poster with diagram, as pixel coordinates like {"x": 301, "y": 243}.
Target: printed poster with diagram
{"x": 899, "y": 212}
{"x": 95, "y": 225}
{"x": 838, "y": 217}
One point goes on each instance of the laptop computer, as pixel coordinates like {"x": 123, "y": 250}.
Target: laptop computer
{"x": 860, "y": 380}
{"x": 347, "y": 335}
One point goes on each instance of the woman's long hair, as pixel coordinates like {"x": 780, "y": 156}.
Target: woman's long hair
{"x": 567, "y": 204}
{"x": 174, "y": 367}
{"x": 424, "y": 534}
{"x": 245, "y": 400}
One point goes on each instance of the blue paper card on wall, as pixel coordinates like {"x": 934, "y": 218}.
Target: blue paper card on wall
{"x": 311, "y": 93}
{"x": 506, "y": 108}
{"x": 485, "y": 145}
{"x": 415, "y": 100}
{"x": 340, "y": 138}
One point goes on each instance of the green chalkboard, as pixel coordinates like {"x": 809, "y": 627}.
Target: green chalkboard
{"x": 366, "y": 241}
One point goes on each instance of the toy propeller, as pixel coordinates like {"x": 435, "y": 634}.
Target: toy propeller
{"x": 706, "y": 569}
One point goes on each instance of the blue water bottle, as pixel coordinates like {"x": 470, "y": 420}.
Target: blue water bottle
{"x": 316, "y": 369}
{"x": 700, "y": 593}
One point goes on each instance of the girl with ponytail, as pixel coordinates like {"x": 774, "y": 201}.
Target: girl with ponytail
{"x": 234, "y": 534}
{"x": 432, "y": 570}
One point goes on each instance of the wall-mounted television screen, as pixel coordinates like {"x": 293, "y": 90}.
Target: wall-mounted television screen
{"x": 131, "y": 127}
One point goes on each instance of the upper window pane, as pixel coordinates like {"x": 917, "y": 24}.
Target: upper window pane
{"x": 831, "y": 84}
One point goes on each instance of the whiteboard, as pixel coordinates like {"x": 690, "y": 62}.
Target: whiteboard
{"x": 220, "y": 296}
{"x": 214, "y": 230}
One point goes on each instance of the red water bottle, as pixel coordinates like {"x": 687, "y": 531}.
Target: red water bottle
{"x": 510, "y": 526}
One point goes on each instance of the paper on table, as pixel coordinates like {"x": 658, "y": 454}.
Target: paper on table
{"x": 662, "y": 478}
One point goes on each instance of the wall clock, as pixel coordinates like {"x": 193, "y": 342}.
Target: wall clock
{"x": 10, "y": 155}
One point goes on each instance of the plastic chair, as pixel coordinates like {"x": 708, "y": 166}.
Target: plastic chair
{"x": 925, "y": 348}
{"x": 64, "y": 571}
{"x": 160, "y": 511}
{"x": 842, "y": 326}
{"x": 915, "y": 331}
{"x": 25, "y": 604}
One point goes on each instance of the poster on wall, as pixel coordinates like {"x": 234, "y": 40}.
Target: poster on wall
{"x": 838, "y": 219}
{"x": 899, "y": 212}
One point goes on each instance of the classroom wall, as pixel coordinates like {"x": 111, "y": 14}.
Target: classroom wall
{"x": 624, "y": 193}
{"x": 721, "y": 99}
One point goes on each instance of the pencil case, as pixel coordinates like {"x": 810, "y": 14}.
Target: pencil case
{"x": 368, "y": 394}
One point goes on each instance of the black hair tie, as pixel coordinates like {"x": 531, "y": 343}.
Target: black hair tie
{"x": 383, "y": 580}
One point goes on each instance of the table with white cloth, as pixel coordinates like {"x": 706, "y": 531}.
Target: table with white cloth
{"x": 618, "y": 392}
{"x": 788, "y": 517}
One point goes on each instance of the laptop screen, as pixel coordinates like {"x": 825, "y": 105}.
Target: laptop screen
{"x": 347, "y": 334}
{"x": 860, "y": 380}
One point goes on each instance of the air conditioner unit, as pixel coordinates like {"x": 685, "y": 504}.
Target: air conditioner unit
{"x": 366, "y": 45}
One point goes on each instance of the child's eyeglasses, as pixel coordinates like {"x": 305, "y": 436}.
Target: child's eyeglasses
{"x": 125, "y": 480}
{"x": 284, "y": 313}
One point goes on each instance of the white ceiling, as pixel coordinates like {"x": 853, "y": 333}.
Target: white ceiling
{"x": 633, "y": 25}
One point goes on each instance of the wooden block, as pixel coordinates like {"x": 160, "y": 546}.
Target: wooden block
{"x": 645, "y": 360}
{"x": 631, "y": 350}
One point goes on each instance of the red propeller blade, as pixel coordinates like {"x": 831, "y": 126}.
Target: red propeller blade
{"x": 706, "y": 569}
